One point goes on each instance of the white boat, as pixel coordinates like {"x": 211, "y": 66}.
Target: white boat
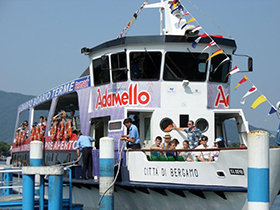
{"x": 161, "y": 79}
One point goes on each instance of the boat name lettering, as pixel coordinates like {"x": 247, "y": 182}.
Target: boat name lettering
{"x": 132, "y": 97}
{"x": 174, "y": 172}
{"x": 151, "y": 171}
{"x": 236, "y": 171}
{"x": 183, "y": 172}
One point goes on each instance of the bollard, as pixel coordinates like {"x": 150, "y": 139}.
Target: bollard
{"x": 258, "y": 170}
{"x": 36, "y": 159}
{"x": 36, "y": 153}
{"x": 28, "y": 191}
{"x": 106, "y": 170}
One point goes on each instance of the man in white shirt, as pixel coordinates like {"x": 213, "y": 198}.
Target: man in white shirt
{"x": 203, "y": 156}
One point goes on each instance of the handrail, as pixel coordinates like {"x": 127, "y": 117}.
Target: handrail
{"x": 184, "y": 150}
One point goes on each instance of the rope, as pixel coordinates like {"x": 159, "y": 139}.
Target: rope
{"x": 210, "y": 19}
{"x": 119, "y": 166}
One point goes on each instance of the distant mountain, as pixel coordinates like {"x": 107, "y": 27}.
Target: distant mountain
{"x": 8, "y": 113}
{"x": 10, "y": 102}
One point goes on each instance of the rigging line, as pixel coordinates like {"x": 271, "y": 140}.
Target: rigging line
{"x": 210, "y": 19}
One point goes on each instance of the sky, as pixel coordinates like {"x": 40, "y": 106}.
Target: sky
{"x": 40, "y": 42}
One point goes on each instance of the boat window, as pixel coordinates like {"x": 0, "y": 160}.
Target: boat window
{"x": 101, "y": 73}
{"x": 119, "y": 68}
{"x": 145, "y": 65}
{"x": 219, "y": 69}
{"x": 147, "y": 126}
{"x": 202, "y": 124}
{"x": 185, "y": 66}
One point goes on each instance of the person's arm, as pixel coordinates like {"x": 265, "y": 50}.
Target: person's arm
{"x": 78, "y": 155}
{"x": 199, "y": 158}
{"x": 177, "y": 128}
{"x": 155, "y": 148}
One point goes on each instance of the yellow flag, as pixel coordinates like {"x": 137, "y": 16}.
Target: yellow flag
{"x": 258, "y": 101}
{"x": 190, "y": 20}
{"x": 219, "y": 51}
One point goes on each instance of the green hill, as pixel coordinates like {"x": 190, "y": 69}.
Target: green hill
{"x": 8, "y": 113}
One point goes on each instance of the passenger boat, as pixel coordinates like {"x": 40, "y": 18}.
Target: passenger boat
{"x": 176, "y": 76}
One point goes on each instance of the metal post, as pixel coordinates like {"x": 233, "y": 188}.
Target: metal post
{"x": 258, "y": 170}
{"x": 42, "y": 193}
{"x": 8, "y": 178}
{"x": 36, "y": 153}
{"x": 55, "y": 192}
{"x": 106, "y": 170}
{"x": 28, "y": 192}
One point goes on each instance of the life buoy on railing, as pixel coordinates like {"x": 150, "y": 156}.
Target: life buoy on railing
{"x": 68, "y": 130}
{"x": 54, "y": 131}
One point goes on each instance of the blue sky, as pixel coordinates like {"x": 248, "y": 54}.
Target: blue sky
{"x": 40, "y": 42}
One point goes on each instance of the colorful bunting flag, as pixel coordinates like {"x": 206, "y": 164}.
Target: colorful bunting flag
{"x": 190, "y": 20}
{"x": 186, "y": 13}
{"x": 219, "y": 51}
{"x": 252, "y": 90}
{"x": 196, "y": 41}
{"x": 241, "y": 81}
{"x": 272, "y": 111}
{"x": 258, "y": 101}
{"x": 177, "y": 8}
{"x": 171, "y": 6}
{"x": 234, "y": 70}
{"x": 209, "y": 45}
{"x": 225, "y": 60}
{"x": 196, "y": 28}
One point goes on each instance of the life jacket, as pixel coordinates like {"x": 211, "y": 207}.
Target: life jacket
{"x": 41, "y": 132}
{"x": 68, "y": 130}
{"x": 54, "y": 131}
{"x": 23, "y": 136}
{"x": 60, "y": 130}
{"x": 17, "y": 137}
{"x": 32, "y": 134}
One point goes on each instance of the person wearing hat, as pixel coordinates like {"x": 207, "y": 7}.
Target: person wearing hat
{"x": 218, "y": 143}
{"x": 133, "y": 137}
{"x": 167, "y": 138}
{"x": 193, "y": 133}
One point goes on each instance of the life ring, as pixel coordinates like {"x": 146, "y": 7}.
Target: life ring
{"x": 68, "y": 130}
{"x": 54, "y": 131}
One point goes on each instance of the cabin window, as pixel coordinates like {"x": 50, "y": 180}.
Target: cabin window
{"x": 101, "y": 72}
{"x": 119, "y": 67}
{"x": 147, "y": 126}
{"x": 145, "y": 65}
{"x": 219, "y": 70}
{"x": 185, "y": 66}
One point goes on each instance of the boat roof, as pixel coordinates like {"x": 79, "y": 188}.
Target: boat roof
{"x": 159, "y": 39}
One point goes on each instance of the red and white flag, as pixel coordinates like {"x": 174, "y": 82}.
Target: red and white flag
{"x": 234, "y": 70}
{"x": 252, "y": 90}
{"x": 186, "y": 13}
{"x": 196, "y": 28}
{"x": 209, "y": 45}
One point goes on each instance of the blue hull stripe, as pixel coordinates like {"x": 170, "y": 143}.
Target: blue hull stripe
{"x": 107, "y": 202}
{"x": 36, "y": 162}
{"x": 106, "y": 167}
{"x": 258, "y": 185}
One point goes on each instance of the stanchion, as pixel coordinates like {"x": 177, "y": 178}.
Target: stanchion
{"x": 258, "y": 170}
{"x": 106, "y": 170}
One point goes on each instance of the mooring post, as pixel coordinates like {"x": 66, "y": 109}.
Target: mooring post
{"x": 258, "y": 170}
{"x": 55, "y": 192}
{"x": 106, "y": 170}
{"x": 36, "y": 159}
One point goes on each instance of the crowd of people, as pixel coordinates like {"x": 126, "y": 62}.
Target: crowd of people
{"x": 194, "y": 140}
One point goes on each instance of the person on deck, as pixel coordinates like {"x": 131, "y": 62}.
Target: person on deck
{"x": 156, "y": 147}
{"x": 203, "y": 156}
{"x": 167, "y": 139}
{"x": 193, "y": 133}
{"x": 84, "y": 145}
{"x": 133, "y": 137}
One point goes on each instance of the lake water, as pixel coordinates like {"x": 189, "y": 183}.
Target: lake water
{"x": 276, "y": 205}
